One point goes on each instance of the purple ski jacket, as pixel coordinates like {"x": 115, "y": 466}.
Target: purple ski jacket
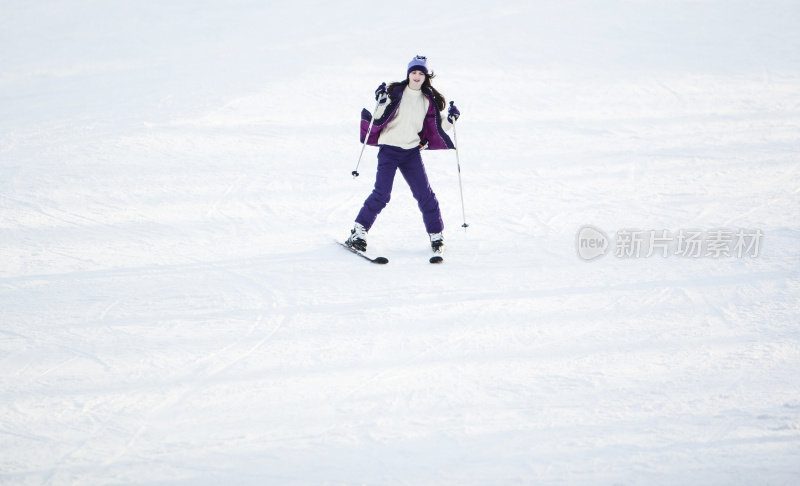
{"x": 432, "y": 135}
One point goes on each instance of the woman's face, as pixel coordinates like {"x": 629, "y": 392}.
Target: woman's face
{"x": 415, "y": 79}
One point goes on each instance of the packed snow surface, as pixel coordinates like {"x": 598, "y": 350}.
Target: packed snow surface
{"x": 174, "y": 309}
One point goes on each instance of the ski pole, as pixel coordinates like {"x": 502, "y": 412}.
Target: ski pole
{"x": 458, "y": 163}
{"x": 366, "y": 137}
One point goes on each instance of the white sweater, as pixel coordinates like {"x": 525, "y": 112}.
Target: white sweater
{"x": 403, "y": 130}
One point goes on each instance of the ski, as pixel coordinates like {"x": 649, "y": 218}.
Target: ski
{"x": 379, "y": 260}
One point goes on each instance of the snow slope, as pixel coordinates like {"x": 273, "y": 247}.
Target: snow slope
{"x": 173, "y": 310}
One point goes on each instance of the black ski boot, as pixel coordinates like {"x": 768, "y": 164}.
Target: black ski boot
{"x": 358, "y": 238}
{"x": 437, "y": 245}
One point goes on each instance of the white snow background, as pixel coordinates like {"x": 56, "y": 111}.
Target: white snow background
{"x": 174, "y": 311}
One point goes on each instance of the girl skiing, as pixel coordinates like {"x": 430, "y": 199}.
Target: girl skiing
{"x": 409, "y": 122}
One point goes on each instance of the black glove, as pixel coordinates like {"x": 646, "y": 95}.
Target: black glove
{"x": 453, "y": 113}
{"x": 380, "y": 93}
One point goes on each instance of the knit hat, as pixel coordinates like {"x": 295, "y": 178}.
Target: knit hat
{"x": 419, "y": 63}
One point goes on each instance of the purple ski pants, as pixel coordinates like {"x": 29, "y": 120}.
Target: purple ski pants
{"x": 410, "y": 164}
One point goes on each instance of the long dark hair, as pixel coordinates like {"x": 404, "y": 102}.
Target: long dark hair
{"x": 438, "y": 97}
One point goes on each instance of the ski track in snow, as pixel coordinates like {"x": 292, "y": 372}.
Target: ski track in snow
{"x": 173, "y": 310}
